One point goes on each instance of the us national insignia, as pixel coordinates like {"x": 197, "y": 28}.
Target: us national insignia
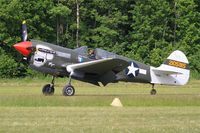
{"x": 132, "y": 70}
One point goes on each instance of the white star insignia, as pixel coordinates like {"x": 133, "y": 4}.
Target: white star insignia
{"x": 132, "y": 69}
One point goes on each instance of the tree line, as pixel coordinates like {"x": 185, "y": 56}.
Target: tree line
{"x": 144, "y": 30}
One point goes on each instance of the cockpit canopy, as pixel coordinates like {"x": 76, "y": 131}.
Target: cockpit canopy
{"x": 99, "y": 53}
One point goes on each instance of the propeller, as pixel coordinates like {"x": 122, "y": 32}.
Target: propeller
{"x": 24, "y": 47}
{"x": 24, "y": 31}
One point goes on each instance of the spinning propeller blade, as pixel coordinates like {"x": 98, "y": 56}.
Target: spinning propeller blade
{"x": 24, "y": 47}
{"x": 24, "y": 31}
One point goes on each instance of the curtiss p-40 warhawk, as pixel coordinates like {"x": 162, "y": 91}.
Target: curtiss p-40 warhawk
{"x": 99, "y": 66}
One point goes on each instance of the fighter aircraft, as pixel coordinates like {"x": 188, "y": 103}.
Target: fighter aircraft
{"x": 101, "y": 67}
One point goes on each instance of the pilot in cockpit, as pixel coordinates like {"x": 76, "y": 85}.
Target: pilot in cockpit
{"x": 91, "y": 54}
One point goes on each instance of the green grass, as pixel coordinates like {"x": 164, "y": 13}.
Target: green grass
{"x": 24, "y": 109}
{"x": 27, "y": 93}
{"x": 100, "y": 120}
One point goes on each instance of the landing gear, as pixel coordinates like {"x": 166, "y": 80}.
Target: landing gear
{"x": 48, "y": 89}
{"x": 153, "y": 91}
{"x": 68, "y": 90}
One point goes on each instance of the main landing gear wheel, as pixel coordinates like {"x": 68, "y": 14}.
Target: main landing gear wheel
{"x": 48, "y": 89}
{"x": 68, "y": 90}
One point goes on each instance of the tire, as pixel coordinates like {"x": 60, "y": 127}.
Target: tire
{"x": 68, "y": 90}
{"x": 48, "y": 90}
{"x": 153, "y": 92}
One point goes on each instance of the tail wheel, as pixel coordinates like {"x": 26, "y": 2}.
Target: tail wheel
{"x": 48, "y": 89}
{"x": 68, "y": 90}
{"x": 153, "y": 92}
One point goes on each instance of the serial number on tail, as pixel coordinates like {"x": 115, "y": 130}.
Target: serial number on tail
{"x": 177, "y": 64}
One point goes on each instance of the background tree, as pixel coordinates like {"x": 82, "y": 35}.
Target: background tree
{"x": 188, "y": 33}
{"x": 142, "y": 30}
{"x": 151, "y": 34}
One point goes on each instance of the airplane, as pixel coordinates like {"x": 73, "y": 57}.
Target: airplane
{"x": 102, "y": 67}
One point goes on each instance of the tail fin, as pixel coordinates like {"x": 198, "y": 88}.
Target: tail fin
{"x": 24, "y": 31}
{"x": 173, "y": 71}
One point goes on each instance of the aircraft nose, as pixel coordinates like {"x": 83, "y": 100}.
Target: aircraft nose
{"x": 23, "y": 47}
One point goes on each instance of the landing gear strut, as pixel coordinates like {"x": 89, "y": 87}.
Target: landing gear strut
{"x": 48, "y": 89}
{"x": 153, "y": 91}
{"x": 68, "y": 90}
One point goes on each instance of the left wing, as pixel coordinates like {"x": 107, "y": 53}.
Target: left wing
{"x": 99, "y": 66}
{"x": 103, "y": 69}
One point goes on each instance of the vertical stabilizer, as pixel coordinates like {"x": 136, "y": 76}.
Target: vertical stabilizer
{"x": 173, "y": 71}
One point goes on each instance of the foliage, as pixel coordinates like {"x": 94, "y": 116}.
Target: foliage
{"x": 146, "y": 31}
{"x": 8, "y": 67}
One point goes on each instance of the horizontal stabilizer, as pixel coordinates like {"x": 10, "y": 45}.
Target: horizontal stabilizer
{"x": 164, "y": 71}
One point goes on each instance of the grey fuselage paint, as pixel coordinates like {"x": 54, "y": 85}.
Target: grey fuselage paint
{"x": 53, "y": 59}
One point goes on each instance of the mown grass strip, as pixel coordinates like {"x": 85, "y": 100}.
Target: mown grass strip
{"x": 100, "y": 119}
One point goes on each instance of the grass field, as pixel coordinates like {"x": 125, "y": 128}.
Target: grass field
{"x": 24, "y": 109}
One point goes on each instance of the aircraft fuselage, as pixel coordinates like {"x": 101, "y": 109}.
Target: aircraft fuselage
{"x": 53, "y": 59}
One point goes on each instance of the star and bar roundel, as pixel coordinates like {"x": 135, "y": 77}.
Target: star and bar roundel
{"x": 132, "y": 70}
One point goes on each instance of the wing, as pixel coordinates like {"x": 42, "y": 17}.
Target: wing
{"x": 102, "y": 70}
